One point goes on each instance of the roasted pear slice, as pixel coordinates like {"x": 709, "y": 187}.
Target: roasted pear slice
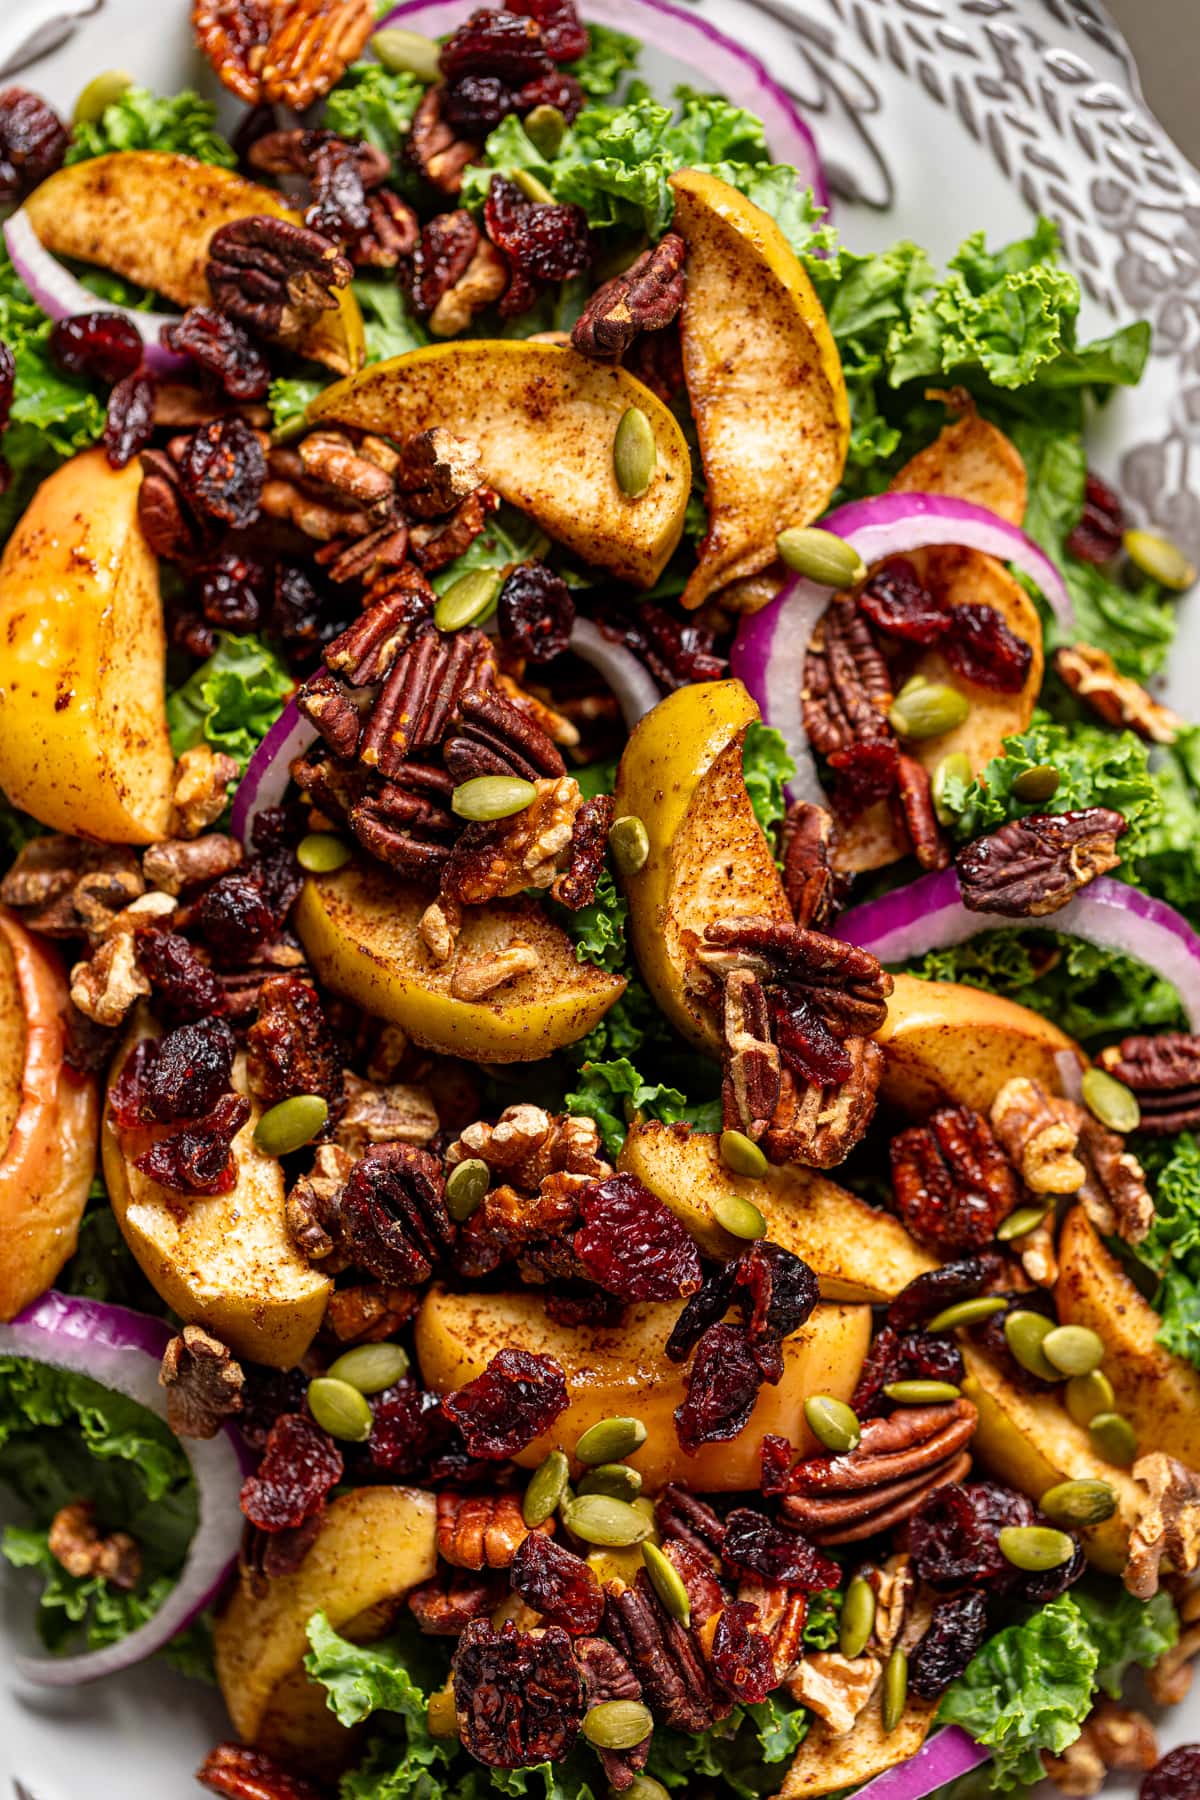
{"x": 829, "y": 1764}
{"x": 856, "y": 1252}
{"x": 764, "y": 379}
{"x": 972, "y": 460}
{"x": 544, "y": 419}
{"x": 1158, "y": 1392}
{"x": 149, "y": 216}
{"x": 944, "y": 1041}
{"x": 375, "y": 1544}
{"x": 83, "y": 720}
{"x": 360, "y": 929}
{"x": 681, "y": 774}
{"x": 622, "y": 1370}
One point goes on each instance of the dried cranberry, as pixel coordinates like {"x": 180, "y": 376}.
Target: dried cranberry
{"x": 936, "y": 1289}
{"x": 1097, "y": 536}
{"x": 187, "y": 1071}
{"x": 305, "y": 616}
{"x": 222, "y": 472}
{"x": 806, "y": 1043}
{"x": 911, "y": 1357}
{"x": 709, "y": 1303}
{"x": 563, "y": 32}
{"x": 518, "y": 1396}
{"x": 33, "y": 142}
{"x": 558, "y": 89}
{"x": 722, "y": 1387}
{"x": 866, "y": 771}
{"x": 632, "y": 1245}
{"x": 230, "y": 592}
{"x": 1176, "y": 1777}
{"x": 234, "y": 916}
{"x": 897, "y": 601}
{"x": 1037, "y": 1590}
{"x": 776, "y": 1457}
{"x": 405, "y": 1421}
{"x": 536, "y": 612}
{"x": 267, "y": 1394}
{"x": 499, "y": 43}
{"x": 780, "y": 1554}
{"x": 476, "y": 104}
{"x": 198, "y": 1159}
{"x": 104, "y": 346}
{"x": 125, "y": 1098}
{"x": 982, "y": 648}
{"x": 541, "y": 242}
{"x": 221, "y": 348}
{"x": 519, "y": 1697}
{"x": 741, "y": 1654}
{"x": 777, "y": 1292}
{"x": 129, "y": 421}
{"x": 300, "y": 1464}
{"x": 955, "y": 1534}
{"x": 675, "y": 650}
{"x": 184, "y": 987}
{"x": 558, "y": 1584}
{"x": 956, "y": 1630}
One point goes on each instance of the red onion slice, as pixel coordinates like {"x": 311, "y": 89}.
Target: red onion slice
{"x": 768, "y": 652}
{"x": 122, "y": 1350}
{"x": 61, "y": 296}
{"x": 632, "y": 683}
{"x": 719, "y": 62}
{"x": 941, "y": 1759}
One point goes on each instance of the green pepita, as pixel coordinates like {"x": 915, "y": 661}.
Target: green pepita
{"x": 1035, "y": 1548}
{"x": 820, "y": 556}
{"x": 617, "y": 1724}
{"x": 921, "y": 1393}
{"x": 99, "y": 94}
{"x": 547, "y": 1485}
{"x": 739, "y": 1217}
{"x": 1159, "y": 558}
{"x": 832, "y": 1422}
{"x": 339, "y": 1409}
{"x": 466, "y": 1187}
{"x": 1087, "y": 1395}
{"x": 858, "y": 1617}
{"x": 492, "y": 797}
{"x": 955, "y": 767}
{"x": 1025, "y": 1333}
{"x": 895, "y": 1689}
{"x": 1081, "y": 1502}
{"x": 610, "y": 1441}
{"x": 629, "y": 842}
{"x": 741, "y": 1154}
{"x": 667, "y": 1583}
{"x": 320, "y": 853}
{"x": 1114, "y": 1437}
{"x": 598, "y": 1519}
{"x": 532, "y": 188}
{"x": 1035, "y": 786}
{"x": 1019, "y": 1223}
{"x": 616, "y": 1479}
{"x": 407, "y": 53}
{"x": 1073, "y": 1349}
{"x": 644, "y": 1788}
{"x": 925, "y": 709}
{"x": 291, "y": 1124}
{"x": 546, "y": 127}
{"x": 967, "y": 1312}
{"x": 370, "y": 1367}
{"x": 635, "y": 454}
{"x": 468, "y": 601}
{"x": 1111, "y": 1101}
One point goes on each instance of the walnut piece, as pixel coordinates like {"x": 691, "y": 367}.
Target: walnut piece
{"x": 1038, "y": 1136}
{"x": 1113, "y": 1737}
{"x": 439, "y": 927}
{"x": 203, "y": 1381}
{"x": 835, "y": 1687}
{"x": 106, "y": 986}
{"x": 1119, "y": 700}
{"x": 385, "y": 1115}
{"x": 1167, "y": 1526}
{"x": 311, "y": 1204}
{"x": 478, "y": 980}
{"x": 482, "y": 281}
{"x": 202, "y": 778}
{"x": 894, "y": 1586}
{"x": 1170, "y": 1679}
{"x": 75, "y": 1542}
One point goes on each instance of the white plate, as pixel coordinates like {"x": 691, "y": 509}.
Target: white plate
{"x": 935, "y": 118}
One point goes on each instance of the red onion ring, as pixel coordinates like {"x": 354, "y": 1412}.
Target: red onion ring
{"x": 122, "y": 1350}
{"x": 941, "y": 1759}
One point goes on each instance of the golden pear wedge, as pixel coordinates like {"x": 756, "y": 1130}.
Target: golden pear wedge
{"x": 825, "y": 1764}
{"x": 764, "y": 379}
{"x": 544, "y": 419}
{"x": 149, "y": 216}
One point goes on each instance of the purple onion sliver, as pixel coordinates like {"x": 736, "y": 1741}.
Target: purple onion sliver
{"x": 632, "y": 683}
{"x": 941, "y": 1759}
{"x": 269, "y": 770}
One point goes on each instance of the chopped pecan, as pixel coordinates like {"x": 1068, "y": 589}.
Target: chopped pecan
{"x": 480, "y": 285}
{"x": 201, "y": 789}
{"x": 912, "y": 807}
{"x": 1114, "y": 1193}
{"x": 1038, "y": 1135}
{"x": 1113, "y": 1737}
{"x": 527, "y": 850}
{"x": 203, "y": 1381}
{"x": 644, "y": 297}
{"x": 291, "y": 1049}
{"x": 477, "y": 980}
{"x": 835, "y": 1687}
{"x": 498, "y": 738}
{"x": 312, "y": 1208}
{"x": 808, "y": 879}
{"x": 898, "y": 1461}
{"x": 273, "y": 276}
{"x": 820, "y": 1123}
{"x": 1167, "y": 1527}
{"x": 1094, "y": 677}
{"x": 1164, "y": 1073}
{"x": 576, "y": 886}
{"x": 519, "y": 1697}
{"x": 77, "y": 1544}
{"x": 288, "y": 52}
{"x": 664, "y": 1655}
{"x": 481, "y": 1531}
{"x": 439, "y": 542}
{"x": 781, "y": 1615}
{"x": 436, "y": 471}
{"x": 243, "y": 1774}
{"x": 951, "y": 1180}
{"x": 397, "y": 1114}
{"x": 750, "y": 1090}
{"x": 1032, "y": 866}
{"x": 174, "y": 864}
{"x": 434, "y": 147}
{"x": 368, "y": 1313}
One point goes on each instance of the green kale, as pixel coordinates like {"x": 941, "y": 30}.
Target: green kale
{"x": 742, "y": 1751}
{"x": 610, "y": 56}
{"x": 372, "y": 103}
{"x": 821, "y": 1621}
{"x": 289, "y": 399}
{"x": 613, "y": 1093}
{"x": 182, "y": 124}
{"x": 598, "y": 930}
{"x": 1126, "y": 1632}
{"x": 766, "y": 766}
{"x": 1171, "y": 1248}
{"x": 231, "y": 701}
{"x": 389, "y": 325}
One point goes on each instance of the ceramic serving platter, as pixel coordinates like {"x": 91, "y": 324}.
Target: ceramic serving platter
{"x": 934, "y": 118}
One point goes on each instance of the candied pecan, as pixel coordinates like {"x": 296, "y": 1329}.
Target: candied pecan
{"x": 289, "y": 54}
{"x": 846, "y": 986}
{"x": 912, "y": 808}
{"x": 1114, "y": 1192}
{"x": 684, "y": 1518}
{"x": 222, "y": 349}
{"x": 1164, "y": 1073}
{"x": 1096, "y": 537}
{"x": 199, "y": 1159}
{"x": 445, "y": 1608}
{"x": 897, "y": 602}
{"x": 557, "y": 1583}
{"x": 1032, "y": 866}
{"x": 664, "y": 1655}
{"x": 203, "y": 1381}
{"x": 166, "y": 521}
{"x": 776, "y": 1552}
{"x": 808, "y": 879}
{"x": 376, "y": 1114}
{"x": 477, "y": 980}
{"x": 631, "y": 1244}
{"x": 519, "y": 1697}
{"x": 518, "y": 1396}
{"x": 1167, "y": 1528}
{"x": 644, "y": 297}
{"x": 393, "y": 1217}
{"x": 498, "y": 738}
{"x": 608, "y": 1676}
{"x": 129, "y": 419}
{"x": 1118, "y": 699}
{"x": 750, "y": 1088}
{"x": 243, "y": 1774}
{"x": 951, "y": 1181}
{"x": 222, "y": 471}
{"x": 291, "y": 1047}
{"x": 363, "y": 653}
{"x": 273, "y": 276}
{"x": 436, "y": 544}
{"x": 55, "y": 876}
{"x": 370, "y": 1312}
{"x": 540, "y": 242}
{"x": 480, "y": 1531}
{"x": 528, "y": 1144}
{"x": 956, "y": 1631}
{"x": 33, "y": 142}
{"x": 436, "y": 471}
{"x": 535, "y": 612}
{"x": 885, "y": 1479}
{"x": 331, "y": 460}
{"x": 847, "y": 689}
{"x": 434, "y": 147}
{"x": 441, "y": 259}
{"x": 1039, "y": 1136}
{"x": 576, "y": 886}
{"x": 482, "y": 281}
{"x": 507, "y": 856}
{"x": 820, "y": 1123}
{"x": 77, "y": 1545}
{"x": 423, "y": 686}
{"x": 300, "y": 1465}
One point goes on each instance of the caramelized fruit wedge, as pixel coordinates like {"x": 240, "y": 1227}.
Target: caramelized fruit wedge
{"x": 828, "y": 1764}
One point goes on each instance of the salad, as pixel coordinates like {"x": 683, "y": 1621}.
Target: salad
{"x": 599, "y": 978}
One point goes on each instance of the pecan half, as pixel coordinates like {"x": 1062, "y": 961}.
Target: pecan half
{"x": 645, "y": 297}
{"x": 436, "y": 471}
{"x": 912, "y": 806}
{"x": 519, "y": 1697}
{"x": 845, "y": 698}
{"x": 203, "y": 1381}
{"x": 608, "y": 1676}
{"x": 281, "y": 51}
{"x": 1032, "y": 866}
{"x": 781, "y": 1615}
{"x": 845, "y": 986}
{"x": 1164, "y": 1073}
{"x": 576, "y": 886}
{"x": 498, "y": 738}
{"x": 951, "y": 1180}
{"x": 243, "y": 1774}
{"x": 1167, "y": 1528}
{"x": 77, "y": 1544}
{"x": 1119, "y": 700}
{"x": 273, "y": 276}
{"x": 424, "y": 685}
{"x": 481, "y": 1531}
{"x": 684, "y": 1518}
{"x": 392, "y": 1215}
{"x": 1114, "y": 1192}
{"x": 370, "y": 1312}
{"x": 808, "y": 879}
{"x": 665, "y": 1656}
{"x": 820, "y": 1123}
{"x": 434, "y": 147}
{"x": 482, "y": 282}
{"x": 378, "y": 1114}
{"x": 898, "y": 1461}
{"x": 291, "y": 1048}
{"x": 750, "y": 1091}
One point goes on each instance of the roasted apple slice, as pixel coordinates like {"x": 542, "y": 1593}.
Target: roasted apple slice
{"x": 544, "y": 419}
{"x": 83, "y": 722}
{"x": 622, "y": 1369}
{"x": 375, "y": 1544}
{"x": 149, "y": 216}
{"x": 972, "y": 460}
{"x": 681, "y": 774}
{"x": 857, "y": 1253}
{"x": 764, "y": 379}
{"x": 945, "y": 1041}
{"x": 223, "y": 1260}
{"x": 1158, "y": 1392}
{"x": 829, "y": 1764}
{"x": 48, "y": 1122}
{"x": 360, "y": 929}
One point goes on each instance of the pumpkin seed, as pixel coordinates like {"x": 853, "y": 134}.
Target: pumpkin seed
{"x": 1114, "y": 1437}
{"x": 1017, "y": 1224}
{"x": 339, "y": 1409}
{"x": 320, "y": 853}
{"x": 925, "y": 709}
{"x": 1034, "y": 786}
{"x": 967, "y": 1312}
{"x": 741, "y": 1154}
{"x": 1087, "y": 1395}
{"x": 895, "y": 1689}
{"x": 467, "y": 601}
{"x": 370, "y": 1367}
{"x": 291, "y": 1124}
{"x": 407, "y": 53}
{"x": 99, "y": 94}
{"x": 1025, "y": 1333}
{"x": 667, "y": 1583}
{"x": 532, "y": 188}
{"x": 921, "y": 1393}
{"x": 955, "y": 767}
{"x": 832, "y": 1422}
{"x": 492, "y": 797}
{"x": 858, "y": 1617}
{"x": 610, "y": 1441}
{"x": 599, "y": 1519}
{"x": 1073, "y": 1349}
{"x": 740, "y": 1218}
{"x": 1035, "y": 1548}
{"x": 617, "y": 1724}
{"x": 546, "y": 127}
{"x": 440, "y": 1715}
{"x": 616, "y": 1478}
{"x": 629, "y": 842}
{"x": 1159, "y": 558}
{"x": 547, "y": 1485}
{"x": 820, "y": 556}
{"x": 644, "y": 1786}
{"x": 466, "y": 1186}
{"x": 1081, "y": 1502}
{"x": 635, "y": 454}
{"x": 1111, "y": 1101}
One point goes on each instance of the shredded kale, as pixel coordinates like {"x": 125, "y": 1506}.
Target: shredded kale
{"x": 766, "y": 766}
{"x": 182, "y": 124}
{"x": 231, "y": 701}
{"x": 614, "y": 1094}
{"x": 1171, "y": 1248}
